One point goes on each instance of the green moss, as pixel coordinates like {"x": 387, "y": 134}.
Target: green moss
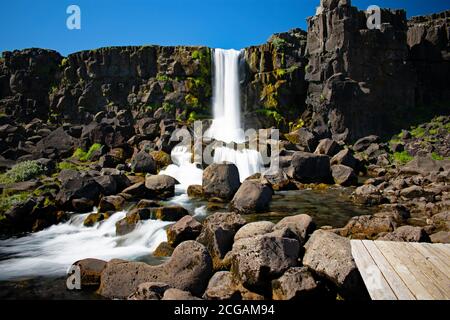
{"x": 402, "y": 157}
{"x": 84, "y": 156}
{"x": 191, "y": 100}
{"x": 278, "y": 43}
{"x": 293, "y": 126}
{"x": 418, "y": 132}
{"x": 437, "y": 156}
{"x": 8, "y": 199}
{"x": 22, "y": 171}
{"x": 64, "y": 63}
{"x": 168, "y": 107}
{"x": 271, "y": 114}
{"x": 67, "y": 166}
{"x": 162, "y": 77}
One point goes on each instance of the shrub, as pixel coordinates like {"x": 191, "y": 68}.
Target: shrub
{"x": 22, "y": 171}
{"x": 402, "y": 157}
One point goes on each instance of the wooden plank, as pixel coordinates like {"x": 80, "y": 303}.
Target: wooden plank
{"x": 445, "y": 248}
{"x": 395, "y": 282}
{"x": 437, "y": 253}
{"x": 374, "y": 280}
{"x": 431, "y": 257}
{"x": 436, "y": 277}
{"x": 404, "y": 272}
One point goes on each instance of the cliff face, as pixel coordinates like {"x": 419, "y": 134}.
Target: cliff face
{"x": 340, "y": 79}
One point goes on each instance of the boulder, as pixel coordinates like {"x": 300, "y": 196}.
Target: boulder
{"x": 412, "y": 192}
{"x": 149, "y": 291}
{"x": 107, "y": 184}
{"x": 300, "y": 226}
{"x": 142, "y": 162}
{"x": 258, "y": 260}
{"x": 90, "y": 271}
{"x": 424, "y": 165}
{"x": 328, "y": 147}
{"x": 189, "y": 268}
{"x": 187, "y": 228}
{"x": 407, "y": 234}
{"x": 363, "y": 143}
{"x": 136, "y": 191}
{"x": 310, "y": 168}
{"x": 169, "y": 213}
{"x": 345, "y": 158}
{"x": 161, "y": 186}
{"x": 222, "y": 286}
{"x": 343, "y": 175}
{"x": 20, "y": 214}
{"x": 218, "y": 234}
{"x": 330, "y": 256}
{"x": 304, "y": 138}
{"x": 195, "y": 191}
{"x": 221, "y": 180}
{"x": 279, "y": 181}
{"x": 94, "y": 218}
{"x": 296, "y": 283}
{"x": 111, "y": 203}
{"x": 440, "y": 237}
{"x": 82, "y": 205}
{"x": 252, "y": 196}
{"x": 368, "y": 194}
{"x": 163, "y": 250}
{"x": 368, "y": 226}
{"x": 78, "y": 187}
{"x": 177, "y": 294}
{"x": 254, "y": 229}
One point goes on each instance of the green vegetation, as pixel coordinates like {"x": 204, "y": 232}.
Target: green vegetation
{"x": 418, "y": 132}
{"x": 293, "y": 126}
{"x": 437, "y": 156}
{"x": 7, "y": 199}
{"x": 64, "y": 63}
{"x": 278, "y": 43}
{"x": 84, "y": 156}
{"x": 168, "y": 107}
{"x": 402, "y": 157}
{"x": 271, "y": 114}
{"x": 191, "y": 100}
{"x": 67, "y": 166}
{"x": 22, "y": 171}
{"x": 162, "y": 77}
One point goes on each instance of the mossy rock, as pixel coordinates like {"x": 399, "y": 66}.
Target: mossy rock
{"x": 162, "y": 158}
{"x": 94, "y": 218}
{"x": 163, "y": 250}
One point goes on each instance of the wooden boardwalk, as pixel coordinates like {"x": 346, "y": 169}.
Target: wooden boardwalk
{"x": 403, "y": 270}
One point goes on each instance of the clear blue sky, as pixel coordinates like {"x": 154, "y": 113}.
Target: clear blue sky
{"x": 215, "y": 23}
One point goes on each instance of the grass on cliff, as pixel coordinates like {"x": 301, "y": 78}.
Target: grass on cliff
{"x": 22, "y": 171}
{"x": 85, "y": 156}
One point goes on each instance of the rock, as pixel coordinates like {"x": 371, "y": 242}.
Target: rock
{"x": 279, "y": 181}
{"x": 301, "y": 226}
{"x": 222, "y": 286}
{"x": 177, "y": 294}
{"x": 78, "y": 187}
{"x": 252, "y": 196}
{"x": 111, "y": 203}
{"x": 169, "y": 213}
{"x": 368, "y": 226}
{"x": 58, "y": 144}
{"x": 189, "y": 268}
{"x": 345, "y": 158}
{"x": 423, "y": 165}
{"x": 161, "y": 186}
{"x": 440, "y": 237}
{"x": 412, "y": 192}
{"x": 82, "y": 205}
{"x": 107, "y": 184}
{"x": 363, "y": 143}
{"x": 407, "y": 234}
{"x": 143, "y": 163}
{"x": 258, "y": 260}
{"x": 195, "y": 191}
{"x": 109, "y": 161}
{"x": 303, "y": 137}
{"x": 127, "y": 224}
{"x": 221, "y": 180}
{"x": 295, "y": 284}
{"x": 327, "y": 147}
{"x": 218, "y": 234}
{"x": 94, "y": 218}
{"x": 187, "y": 228}
{"x": 254, "y": 229}
{"x": 90, "y": 271}
{"x": 163, "y": 250}
{"x": 161, "y": 158}
{"x": 343, "y": 175}
{"x": 330, "y": 256}
{"x": 368, "y": 194}
{"x": 149, "y": 291}
{"x": 310, "y": 168}
{"x": 136, "y": 191}
{"x": 20, "y": 215}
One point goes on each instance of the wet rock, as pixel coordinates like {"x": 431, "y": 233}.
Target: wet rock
{"x": 295, "y": 284}
{"x": 144, "y": 203}
{"x": 407, "y": 234}
{"x": 143, "y": 163}
{"x": 254, "y": 229}
{"x": 343, "y": 175}
{"x": 330, "y": 256}
{"x": 163, "y": 250}
{"x": 187, "y": 228}
{"x": 195, "y": 191}
{"x": 368, "y": 226}
{"x": 310, "y": 168}
{"x": 136, "y": 191}
{"x": 94, "y": 218}
{"x": 149, "y": 291}
{"x": 90, "y": 271}
{"x": 189, "y": 268}
{"x": 82, "y": 205}
{"x": 169, "y": 213}
{"x": 222, "y": 286}
{"x": 258, "y": 260}
{"x": 252, "y": 196}
{"x": 328, "y": 147}
{"x": 300, "y": 226}
{"x": 111, "y": 203}
{"x": 177, "y": 294}
{"x": 218, "y": 234}
{"x": 161, "y": 186}
{"x": 221, "y": 180}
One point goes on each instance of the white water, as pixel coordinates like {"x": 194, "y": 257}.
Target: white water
{"x": 50, "y": 252}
